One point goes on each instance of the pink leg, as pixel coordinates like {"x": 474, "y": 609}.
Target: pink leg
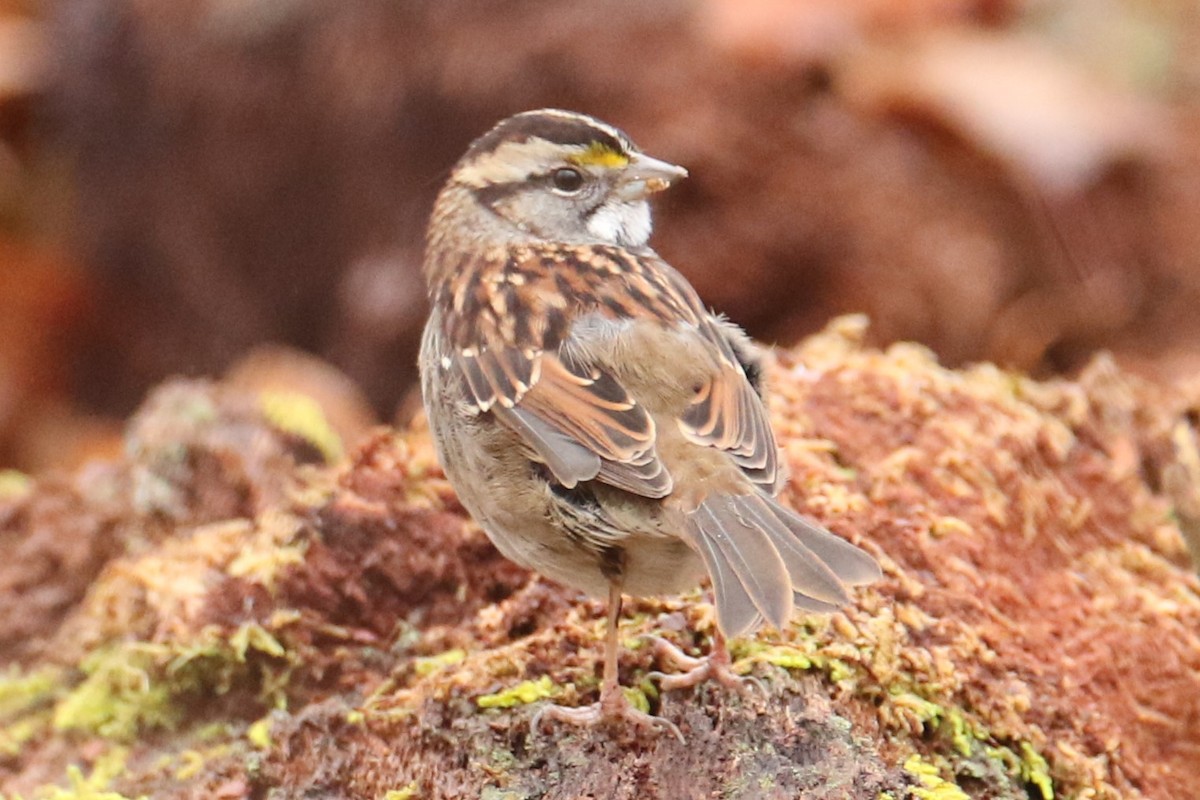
{"x": 614, "y": 708}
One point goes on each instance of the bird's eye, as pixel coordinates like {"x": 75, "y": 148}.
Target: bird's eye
{"x": 567, "y": 180}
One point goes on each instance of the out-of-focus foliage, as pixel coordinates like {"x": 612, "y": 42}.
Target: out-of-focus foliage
{"x": 1000, "y": 180}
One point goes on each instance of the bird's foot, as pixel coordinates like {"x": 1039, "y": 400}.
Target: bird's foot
{"x": 716, "y": 666}
{"x": 614, "y": 711}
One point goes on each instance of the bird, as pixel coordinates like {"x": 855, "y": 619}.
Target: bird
{"x": 602, "y": 425}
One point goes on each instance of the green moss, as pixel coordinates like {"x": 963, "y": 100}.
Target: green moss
{"x": 933, "y": 786}
{"x": 15, "y": 735}
{"x": 301, "y": 415}
{"x": 972, "y": 741}
{"x": 790, "y": 657}
{"x": 118, "y": 696}
{"x": 213, "y": 663}
{"x": 637, "y": 698}
{"x": 749, "y": 652}
{"x": 928, "y": 713}
{"x": 778, "y": 655}
{"x": 839, "y": 670}
{"x": 964, "y": 740}
{"x": 134, "y": 686}
{"x": 22, "y": 691}
{"x": 522, "y": 694}
{"x": 95, "y": 785}
{"x": 26, "y": 705}
{"x": 261, "y": 562}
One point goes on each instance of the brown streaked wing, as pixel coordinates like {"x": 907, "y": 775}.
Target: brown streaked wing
{"x": 592, "y": 408}
{"x": 726, "y": 413}
{"x": 580, "y": 421}
{"x": 497, "y": 374}
{"x": 505, "y": 326}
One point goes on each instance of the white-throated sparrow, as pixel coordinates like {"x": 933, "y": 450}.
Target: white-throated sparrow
{"x": 602, "y": 426}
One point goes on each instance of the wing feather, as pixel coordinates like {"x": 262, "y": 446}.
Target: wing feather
{"x": 727, "y": 414}
{"x": 565, "y": 404}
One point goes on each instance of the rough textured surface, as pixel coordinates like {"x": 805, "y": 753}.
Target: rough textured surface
{"x": 258, "y": 626}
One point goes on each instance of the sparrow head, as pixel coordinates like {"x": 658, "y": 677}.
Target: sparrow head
{"x": 564, "y": 177}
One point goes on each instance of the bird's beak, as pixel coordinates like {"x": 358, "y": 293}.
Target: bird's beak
{"x": 645, "y": 175}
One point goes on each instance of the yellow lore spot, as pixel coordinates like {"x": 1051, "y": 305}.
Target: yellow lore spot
{"x": 598, "y": 154}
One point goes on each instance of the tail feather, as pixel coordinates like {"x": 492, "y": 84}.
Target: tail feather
{"x": 809, "y": 574}
{"x": 852, "y": 564}
{"x": 746, "y": 551}
{"x": 735, "y": 610}
{"x": 806, "y": 603}
{"x": 765, "y": 560}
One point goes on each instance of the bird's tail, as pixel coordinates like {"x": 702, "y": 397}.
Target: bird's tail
{"x": 765, "y": 560}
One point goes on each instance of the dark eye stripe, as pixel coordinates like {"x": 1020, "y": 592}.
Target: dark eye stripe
{"x": 493, "y": 193}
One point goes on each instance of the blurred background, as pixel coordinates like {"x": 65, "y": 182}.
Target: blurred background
{"x": 240, "y": 187}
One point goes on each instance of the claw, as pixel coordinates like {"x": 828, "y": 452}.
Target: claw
{"x": 694, "y": 671}
{"x": 614, "y": 712}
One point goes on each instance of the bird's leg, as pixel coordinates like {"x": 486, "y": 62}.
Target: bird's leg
{"x": 717, "y": 666}
{"x": 612, "y": 698}
{"x": 614, "y": 708}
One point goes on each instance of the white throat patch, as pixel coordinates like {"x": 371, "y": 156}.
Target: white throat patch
{"x": 625, "y": 224}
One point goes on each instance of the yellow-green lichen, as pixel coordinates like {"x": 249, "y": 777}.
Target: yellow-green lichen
{"x": 409, "y": 792}
{"x": 1027, "y": 764}
{"x": 14, "y": 485}
{"x": 778, "y": 655}
{"x": 790, "y": 657}
{"x": 192, "y": 763}
{"x": 133, "y": 686}
{"x": 523, "y": 693}
{"x": 1035, "y": 770}
{"x": 301, "y": 415}
{"x": 259, "y": 733}
{"x": 428, "y": 665}
{"x": 933, "y": 785}
{"x": 947, "y": 526}
{"x": 270, "y": 545}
